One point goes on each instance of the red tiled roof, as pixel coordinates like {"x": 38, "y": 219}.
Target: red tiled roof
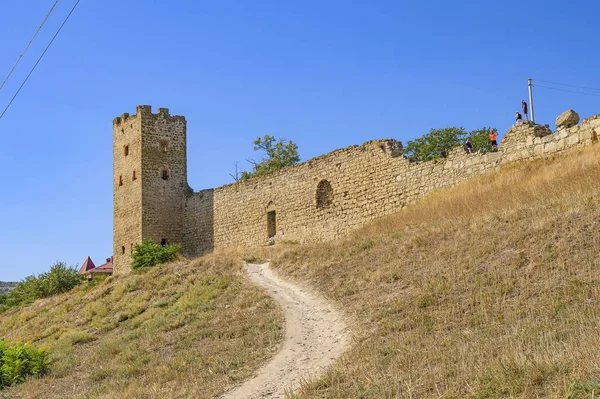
{"x": 105, "y": 268}
{"x": 87, "y": 266}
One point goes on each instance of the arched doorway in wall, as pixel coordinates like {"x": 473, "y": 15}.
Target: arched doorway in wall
{"x": 271, "y": 220}
{"x": 324, "y": 194}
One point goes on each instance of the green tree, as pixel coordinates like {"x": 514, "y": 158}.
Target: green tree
{"x": 435, "y": 144}
{"x": 480, "y": 138}
{"x": 60, "y": 278}
{"x": 278, "y": 154}
{"x": 148, "y": 254}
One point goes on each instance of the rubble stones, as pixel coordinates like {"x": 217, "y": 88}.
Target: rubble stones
{"x": 567, "y": 119}
{"x": 541, "y": 130}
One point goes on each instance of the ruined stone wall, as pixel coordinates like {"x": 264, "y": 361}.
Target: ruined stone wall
{"x": 198, "y": 231}
{"x": 240, "y": 209}
{"x": 367, "y": 182}
{"x": 320, "y": 199}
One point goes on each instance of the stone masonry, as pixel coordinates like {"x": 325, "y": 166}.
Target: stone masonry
{"x": 320, "y": 199}
{"x": 149, "y": 180}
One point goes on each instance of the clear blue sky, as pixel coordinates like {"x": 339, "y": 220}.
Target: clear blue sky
{"x": 326, "y": 74}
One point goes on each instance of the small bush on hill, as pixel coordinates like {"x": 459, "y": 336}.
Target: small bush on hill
{"x": 59, "y": 279}
{"x": 148, "y": 254}
{"x": 19, "y": 361}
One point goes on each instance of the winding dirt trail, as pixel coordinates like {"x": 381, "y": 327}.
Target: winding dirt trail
{"x": 315, "y": 335}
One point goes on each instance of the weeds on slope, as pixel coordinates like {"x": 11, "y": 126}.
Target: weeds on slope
{"x": 174, "y": 331}
{"x": 488, "y": 290}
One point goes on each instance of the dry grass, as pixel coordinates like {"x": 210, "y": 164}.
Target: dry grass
{"x": 487, "y": 290}
{"x": 174, "y": 331}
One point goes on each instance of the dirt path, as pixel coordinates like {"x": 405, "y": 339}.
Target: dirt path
{"x": 315, "y": 336}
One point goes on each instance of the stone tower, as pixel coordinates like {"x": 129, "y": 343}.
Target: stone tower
{"x": 149, "y": 181}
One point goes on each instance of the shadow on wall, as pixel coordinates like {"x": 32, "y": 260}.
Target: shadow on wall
{"x": 199, "y": 232}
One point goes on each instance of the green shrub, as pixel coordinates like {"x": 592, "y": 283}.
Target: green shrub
{"x": 19, "y": 361}
{"x": 60, "y": 278}
{"x": 148, "y": 254}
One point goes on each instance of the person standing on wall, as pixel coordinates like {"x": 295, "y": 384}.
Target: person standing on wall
{"x": 518, "y": 118}
{"x": 524, "y": 108}
{"x": 493, "y": 136}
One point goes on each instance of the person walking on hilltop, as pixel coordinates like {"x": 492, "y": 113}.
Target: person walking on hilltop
{"x": 493, "y": 136}
{"x": 518, "y": 118}
{"x": 524, "y": 108}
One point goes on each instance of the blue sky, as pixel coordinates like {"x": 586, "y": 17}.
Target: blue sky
{"x": 326, "y": 74}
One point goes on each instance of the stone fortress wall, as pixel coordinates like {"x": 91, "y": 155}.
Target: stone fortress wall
{"x": 330, "y": 195}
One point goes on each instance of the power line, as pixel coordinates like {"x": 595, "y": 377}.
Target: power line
{"x": 28, "y": 44}
{"x": 563, "y": 84}
{"x": 569, "y": 91}
{"x": 39, "y": 59}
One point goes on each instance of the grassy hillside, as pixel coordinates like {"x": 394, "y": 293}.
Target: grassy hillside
{"x": 6, "y": 287}
{"x": 488, "y": 290}
{"x": 176, "y": 331}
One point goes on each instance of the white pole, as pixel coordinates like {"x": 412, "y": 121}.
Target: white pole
{"x": 529, "y": 85}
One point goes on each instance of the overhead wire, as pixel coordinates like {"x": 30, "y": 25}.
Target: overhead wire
{"x": 29, "y": 44}
{"x": 39, "y": 59}
{"x": 568, "y": 91}
{"x": 567, "y": 85}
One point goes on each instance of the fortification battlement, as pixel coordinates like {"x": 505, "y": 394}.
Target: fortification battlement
{"x": 146, "y": 111}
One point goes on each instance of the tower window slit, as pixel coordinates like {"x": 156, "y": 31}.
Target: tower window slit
{"x": 271, "y": 224}
{"x": 163, "y": 145}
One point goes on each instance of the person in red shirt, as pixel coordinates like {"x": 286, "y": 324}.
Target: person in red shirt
{"x": 493, "y": 136}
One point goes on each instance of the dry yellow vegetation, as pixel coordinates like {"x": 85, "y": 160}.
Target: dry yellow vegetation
{"x": 487, "y": 290}
{"x": 174, "y": 331}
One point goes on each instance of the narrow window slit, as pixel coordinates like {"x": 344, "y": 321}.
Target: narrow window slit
{"x": 271, "y": 224}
